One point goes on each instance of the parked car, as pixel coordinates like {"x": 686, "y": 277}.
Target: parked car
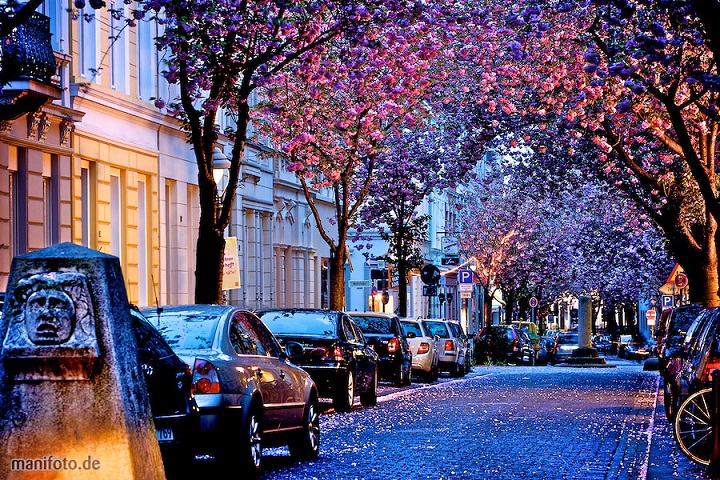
{"x": 547, "y": 351}
{"x": 170, "y": 393}
{"x": 500, "y": 343}
{"x": 532, "y": 331}
{"x": 632, "y": 348}
{"x": 452, "y": 346}
{"x": 567, "y": 343}
{"x": 671, "y": 334}
{"x": 248, "y": 393}
{"x": 335, "y": 352}
{"x": 701, "y": 356}
{"x": 602, "y": 343}
{"x": 386, "y": 336}
{"x": 423, "y": 346}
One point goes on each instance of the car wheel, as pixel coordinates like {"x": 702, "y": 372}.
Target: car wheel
{"x": 252, "y": 445}
{"x": 369, "y": 398}
{"x": 307, "y": 445}
{"x": 345, "y": 395}
{"x": 408, "y": 376}
{"x": 399, "y": 377}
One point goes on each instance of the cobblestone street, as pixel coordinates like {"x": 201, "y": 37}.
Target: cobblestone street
{"x": 503, "y": 423}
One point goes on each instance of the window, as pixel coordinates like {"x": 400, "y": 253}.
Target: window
{"x": 142, "y": 244}
{"x": 147, "y": 55}
{"x": 115, "y": 217}
{"x": 244, "y": 338}
{"x": 88, "y": 45}
{"x": 51, "y": 198}
{"x": 85, "y": 202}
{"x": 18, "y": 199}
{"x": 118, "y": 49}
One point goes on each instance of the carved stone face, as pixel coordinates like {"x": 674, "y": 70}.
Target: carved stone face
{"x": 49, "y": 317}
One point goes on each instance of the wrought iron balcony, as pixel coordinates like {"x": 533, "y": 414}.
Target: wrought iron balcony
{"x": 27, "y": 66}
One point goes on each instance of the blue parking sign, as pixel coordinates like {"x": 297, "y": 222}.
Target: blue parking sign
{"x": 666, "y": 301}
{"x": 465, "y": 276}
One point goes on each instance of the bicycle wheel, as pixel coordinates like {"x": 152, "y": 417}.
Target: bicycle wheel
{"x": 693, "y": 426}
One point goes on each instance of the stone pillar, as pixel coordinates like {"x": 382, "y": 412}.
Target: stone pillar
{"x": 585, "y": 321}
{"x": 585, "y": 354}
{"x": 73, "y": 400}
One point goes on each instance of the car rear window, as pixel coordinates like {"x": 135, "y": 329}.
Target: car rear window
{"x": 374, "y": 324}
{"x": 412, "y": 327}
{"x": 186, "y": 330}
{"x": 438, "y": 328}
{"x": 567, "y": 339}
{"x": 300, "y": 323}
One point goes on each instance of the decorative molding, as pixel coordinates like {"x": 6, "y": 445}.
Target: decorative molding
{"x": 33, "y": 124}
{"x": 43, "y": 126}
{"x": 67, "y": 126}
{"x": 6, "y": 126}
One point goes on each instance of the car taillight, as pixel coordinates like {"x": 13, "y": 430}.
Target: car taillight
{"x": 190, "y": 375}
{"x": 205, "y": 377}
{"x": 712, "y": 364}
{"x": 423, "y": 348}
{"x": 449, "y": 345}
{"x": 515, "y": 345}
{"x": 327, "y": 354}
{"x": 393, "y": 345}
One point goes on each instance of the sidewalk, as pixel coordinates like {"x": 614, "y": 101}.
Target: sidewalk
{"x": 666, "y": 461}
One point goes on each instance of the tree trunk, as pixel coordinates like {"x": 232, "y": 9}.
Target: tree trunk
{"x": 487, "y": 304}
{"x": 209, "y": 266}
{"x": 337, "y": 278}
{"x": 402, "y": 287}
{"x": 509, "y": 305}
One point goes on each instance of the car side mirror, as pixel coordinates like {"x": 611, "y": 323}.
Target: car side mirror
{"x": 293, "y": 351}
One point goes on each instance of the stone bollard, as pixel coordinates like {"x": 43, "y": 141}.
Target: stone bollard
{"x": 73, "y": 400}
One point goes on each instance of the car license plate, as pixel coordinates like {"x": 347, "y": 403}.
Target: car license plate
{"x": 165, "y": 434}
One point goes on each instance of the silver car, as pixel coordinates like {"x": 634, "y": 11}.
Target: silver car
{"x": 248, "y": 393}
{"x": 423, "y": 347}
{"x": 452, "y": 346}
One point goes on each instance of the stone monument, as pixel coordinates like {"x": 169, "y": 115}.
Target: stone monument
{"x": 73, "y": 400}
{"x": 586, "y": 354}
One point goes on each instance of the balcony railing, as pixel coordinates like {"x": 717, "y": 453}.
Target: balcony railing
{"x": 27, "y": 51}
{"x": 27, "y": 66}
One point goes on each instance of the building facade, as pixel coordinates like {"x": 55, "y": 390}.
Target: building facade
{"x": 102, "y": 166}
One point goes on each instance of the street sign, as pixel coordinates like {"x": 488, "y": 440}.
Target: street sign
{"x": 430, "y": 274}
{"x": 465, "y": 276}
{"x": 465, "y": 287}
{"x": 429, "y": 290}
{"x": 666, "y": 301}
{"x": 465, "y": 294}
{"x": 533, "y": 302}
{"x": 651, "y": 316}
{"x": 450, "y": 260}
{"x": 681, "y": 280}
{"x": 360, "y": 283}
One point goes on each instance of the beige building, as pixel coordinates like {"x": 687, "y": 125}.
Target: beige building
{"x": 102, "y": 167}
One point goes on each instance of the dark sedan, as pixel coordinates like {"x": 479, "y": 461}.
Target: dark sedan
{"x": 248, "y": 392}
{"x": 170, "y": 392}
{"x": 335, "y": 352}
{"x": 386, "y": 336}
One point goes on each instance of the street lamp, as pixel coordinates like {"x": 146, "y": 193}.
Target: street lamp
{"x": 220, "y": 164}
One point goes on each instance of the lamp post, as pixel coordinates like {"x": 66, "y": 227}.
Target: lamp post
{"x": 220, "y": 166}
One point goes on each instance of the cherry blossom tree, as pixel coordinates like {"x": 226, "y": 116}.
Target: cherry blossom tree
{"x": 220, "y": 52}
{"x": 536, "y": 230}
{"x": 638, "y": 78}
{"x": 333, "y": 116}
{"x": 416, "y": 163}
